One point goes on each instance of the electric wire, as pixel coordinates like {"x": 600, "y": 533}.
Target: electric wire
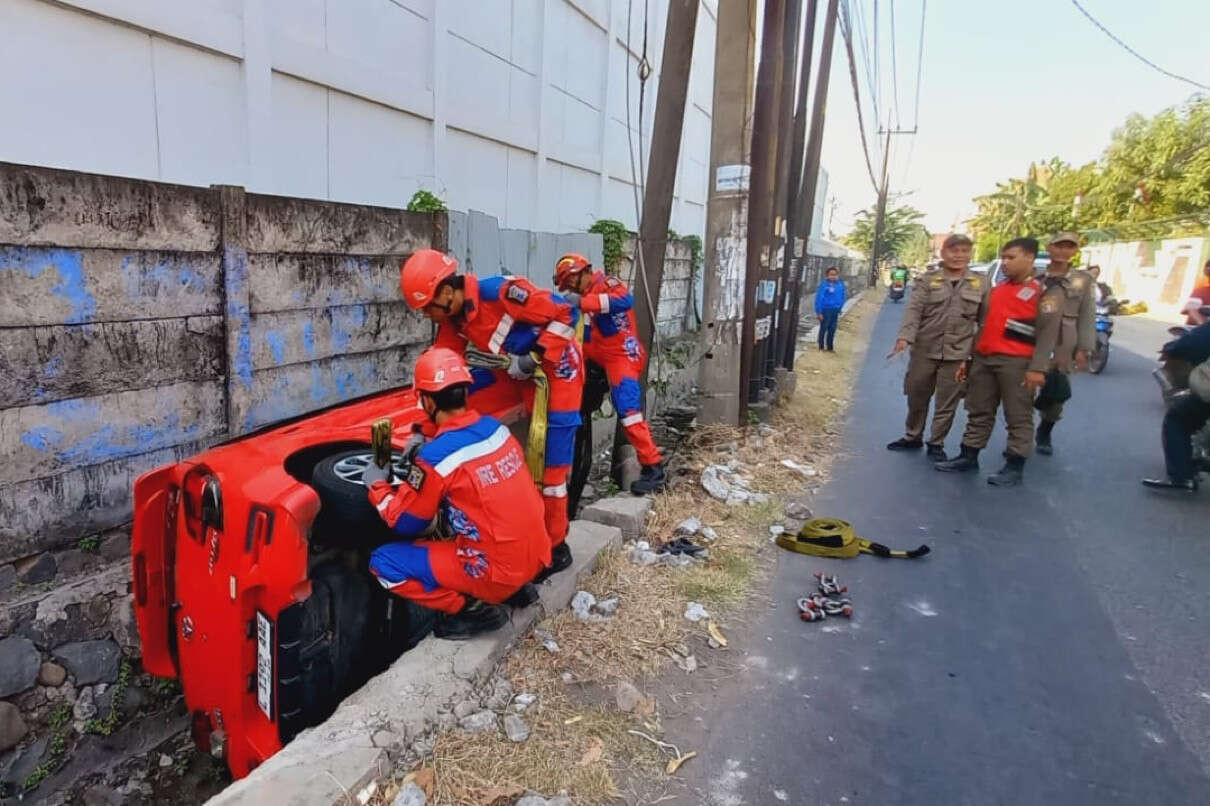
{"x": 919, "y": 65}
{"x": 846, "y": 32}
{"x": 894, "y": 66}
{"x": 1134, "y": 52}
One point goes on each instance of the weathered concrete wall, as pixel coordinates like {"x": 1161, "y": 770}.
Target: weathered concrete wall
{"x": 480, "y": 245}
{"x": 141, "y": 321}
{"x": 677, "y": 314}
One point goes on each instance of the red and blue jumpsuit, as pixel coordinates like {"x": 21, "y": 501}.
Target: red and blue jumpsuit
{"x": 511, "y": 316}
{"x": 472, "y": 474}
{"x": 611, "y": 340}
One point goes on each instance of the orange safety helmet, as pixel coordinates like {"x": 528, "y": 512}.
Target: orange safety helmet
{"x": 439, "y": 368}
{"x": 422, "y": 274}
{"x": 567, "y": 266}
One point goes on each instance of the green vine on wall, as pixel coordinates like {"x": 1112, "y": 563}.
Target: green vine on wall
{"x": 423, "y": 201}
{"x": 613, "y": 237}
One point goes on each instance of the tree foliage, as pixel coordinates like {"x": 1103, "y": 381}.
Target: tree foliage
{"x": 904, "y": 238}
{"x": 1153, "y": 180}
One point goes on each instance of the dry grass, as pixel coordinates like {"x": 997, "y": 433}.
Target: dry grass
{"x": 579, "y": 741}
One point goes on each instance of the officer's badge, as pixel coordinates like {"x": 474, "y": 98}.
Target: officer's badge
{"x": 937, "y": 282}
{"x": 1026, "y": 294}
{"x": 517, "y": 294}
{"x": 976, "y": 283}
{"x": 416, "y": 477}
{"x": 1079, "y": 282}
{"x": 1049, "y": 305}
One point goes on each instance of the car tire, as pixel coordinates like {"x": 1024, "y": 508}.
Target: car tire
{"x": 346, "y": 517}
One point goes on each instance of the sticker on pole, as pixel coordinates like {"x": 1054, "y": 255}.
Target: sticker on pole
{"x": 731, "y": 178}
{"x": 264, "y": 664}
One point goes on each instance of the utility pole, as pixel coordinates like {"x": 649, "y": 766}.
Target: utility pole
{"x": 810, "y": 177}
{"x": 726, "y": 212}
{"x": 790, "y": 261}
{"x": 760, "y": 206}
{"x": 881, "y": 214}
{"x": 662, "y": 161}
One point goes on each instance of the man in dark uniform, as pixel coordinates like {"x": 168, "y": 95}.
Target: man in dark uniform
{"x": 1017, "y": 333}
{"x": 938, "y": 327}
{"x": 1077, "y": 336}
{"x": 1186, "y": 415}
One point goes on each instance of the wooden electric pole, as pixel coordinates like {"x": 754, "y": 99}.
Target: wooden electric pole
{"x": 760, "y": 206}
{"x": 880, "y": 215}
{"x": 810, "y": 176}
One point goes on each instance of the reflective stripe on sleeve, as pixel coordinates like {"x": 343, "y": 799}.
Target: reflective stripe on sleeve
{"x": 558, "y": 491}
{"x": 500, "y": 334}
{"x": 561, "y": 330}
{"x": 632, "y": 419}
{"x": 604, "y": 302}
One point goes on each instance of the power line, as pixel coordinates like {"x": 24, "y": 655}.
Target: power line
{"x": 919, "y": 65}
{"x": 1134, "y": 52}
{"x": 870, "y": 82}
{"x": 846, "y": 31}
{"x": 894, "y": 66}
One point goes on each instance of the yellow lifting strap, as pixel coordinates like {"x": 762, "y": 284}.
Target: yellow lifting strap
{"x": 535, "y": 443}
{"x": 832, "y": 537}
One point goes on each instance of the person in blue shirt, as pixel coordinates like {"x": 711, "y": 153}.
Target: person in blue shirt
{"x": 829, "y": 299}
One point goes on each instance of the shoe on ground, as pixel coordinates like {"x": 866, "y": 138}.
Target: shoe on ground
{"x": 1042, "y": 443}
{"x": 965, "y": 462}
{"x": 651, "y": 480}
{"x": 526, "y": 595}
{"x": 473, "y": 619}
{"x": 937, "y": 453}
{"x": 1188, "y": 485}
{"x": 1010, "y": 475}
{"x": 560, "y": 560}
{"x": 905, "y": 444}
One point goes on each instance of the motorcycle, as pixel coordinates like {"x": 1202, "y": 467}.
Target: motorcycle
{"x": 1172, "y": 374}
{"x": 1100, "y": 353}
{"x": 897, "y": 289}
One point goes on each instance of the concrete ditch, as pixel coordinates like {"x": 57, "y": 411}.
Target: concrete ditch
{"x": 342, "y": 758}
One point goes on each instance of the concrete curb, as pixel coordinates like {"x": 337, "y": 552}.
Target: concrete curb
{"x": 337, "y": 760}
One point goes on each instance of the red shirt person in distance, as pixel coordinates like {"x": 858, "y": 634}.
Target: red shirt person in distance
{"x": 472, "y": 474}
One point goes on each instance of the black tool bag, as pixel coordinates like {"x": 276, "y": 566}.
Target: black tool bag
{"x": 1056, "y": 389}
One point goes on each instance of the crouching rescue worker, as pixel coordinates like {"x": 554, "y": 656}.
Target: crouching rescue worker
{"x": 510, "y": 317}
{"x": 1018, "y": 330}
{"x": 611, "y": 340}
{"x": 472, "y": 473}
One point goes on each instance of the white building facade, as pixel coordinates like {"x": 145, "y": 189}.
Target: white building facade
{"x": 517, "y": 108}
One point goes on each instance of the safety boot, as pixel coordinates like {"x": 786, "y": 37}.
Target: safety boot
{"x": 474, "y": 618}
{"x": 651, "y": 480}
{"x": 937, "y": 453}
{"x": 526, "y": 595}
{"x": 1010, "y": 474}
{"x": 560, "y": 560}
{"x": 964, "y": 462}
{"x": 1042, "y": 438}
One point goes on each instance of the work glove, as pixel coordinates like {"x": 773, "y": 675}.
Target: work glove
{"x": 573, "y": 299}
{"x": 521, "y": 367}
{"x": 373, "y": 473}
{"x": 412, "y": 446}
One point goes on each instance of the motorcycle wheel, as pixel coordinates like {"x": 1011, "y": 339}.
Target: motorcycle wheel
{"x": 1100, "y": 357}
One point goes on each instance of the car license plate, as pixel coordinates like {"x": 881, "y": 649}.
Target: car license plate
{"x": 264, "y": 664}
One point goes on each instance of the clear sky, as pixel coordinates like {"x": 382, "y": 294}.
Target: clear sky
{"x": 1004, "y": 82}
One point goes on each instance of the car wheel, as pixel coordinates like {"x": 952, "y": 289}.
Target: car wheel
{"x": 346, "y": 517}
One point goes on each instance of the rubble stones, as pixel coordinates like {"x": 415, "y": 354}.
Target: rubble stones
{"x": 51, "y": 674}
{"x": 91, "y": 661}
{"x": 688, "y": 527}
{"x": 695, "y": 612}
{"x": 12, "y": 726}
{"x": 8, "y": 577}
{"x": 515, "y": 728}
{"x": 798, "y": 511}
{"x": 627, "y": 696}
{"x": 724, "y": 483}
{"x": 115, "y": 547}
{"x": 500, "y": 696}
{"x": 523, "y": 701}
{"x": 27, "y": 762}
{"x": 410, "y": 795}
{"x": 84, "y": 709}
{"x": 628, "y": 513}
{"x": 35, "y": 570}
{"x": 480, "y": 722}
{"x": 19, "y": 662}
{"x": 465, "y": 708}
{"x": 581, "y": 605}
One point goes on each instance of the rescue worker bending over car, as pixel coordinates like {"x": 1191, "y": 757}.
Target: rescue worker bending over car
{"x": 472, "y": 473}
{"x": 510, "y": 316}
{"x": 611, "y": 340}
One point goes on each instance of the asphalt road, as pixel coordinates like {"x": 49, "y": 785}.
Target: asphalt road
{"x": 1053, "y": 649}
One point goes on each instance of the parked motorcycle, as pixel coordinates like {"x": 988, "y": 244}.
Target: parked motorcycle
{"x": 1100, "y": 353}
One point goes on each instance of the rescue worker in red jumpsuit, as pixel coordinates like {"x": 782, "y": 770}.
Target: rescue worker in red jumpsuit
{"x": 510, "y": 316}
{"x": 611, "y": 340}
{"x": 472, "y": 473}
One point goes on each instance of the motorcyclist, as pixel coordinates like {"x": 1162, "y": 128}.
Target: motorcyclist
{"x": 1185, "y": 416}
{"x": 472, "y": 473}
{"x": 611, "y": 340}
{"x": 899, "y": 275}
{"x": 510, "y": 316}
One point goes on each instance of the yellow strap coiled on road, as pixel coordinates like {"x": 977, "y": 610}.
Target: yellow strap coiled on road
{"x": 832, "y": 537}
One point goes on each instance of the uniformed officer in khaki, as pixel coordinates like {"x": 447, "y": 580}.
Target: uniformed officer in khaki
{"x": 938, "y": 326}
{"x": 1018, "y": 329}
{"x": 1078, "y": 334}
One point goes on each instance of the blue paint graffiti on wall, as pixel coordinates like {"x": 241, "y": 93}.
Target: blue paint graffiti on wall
{"x": 68, "y": 264}
{"x": 235, "y": 267}
{"x": 276, "y": 346}
{"x": 42, "y": 437}
{"x": 308, "y": 339}
{"x": 109, "y": 442}
{"x": 142, "y": 280}
{"x": 346, "y": 320}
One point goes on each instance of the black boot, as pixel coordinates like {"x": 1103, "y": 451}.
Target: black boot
{"x": 1042, "y": 439}
{"x": 560, "y": 560}
{"x": 937, "y": 453}
{"x": 1188, "y": 485}
{"x": 651, "y": 480}
{"x": 905, "y": 444}
{"x": 474, "y": 618}
{"x": 526, "y": 595}
{"x": 964, "y": 462}
{"x": 1010, "y": 474}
